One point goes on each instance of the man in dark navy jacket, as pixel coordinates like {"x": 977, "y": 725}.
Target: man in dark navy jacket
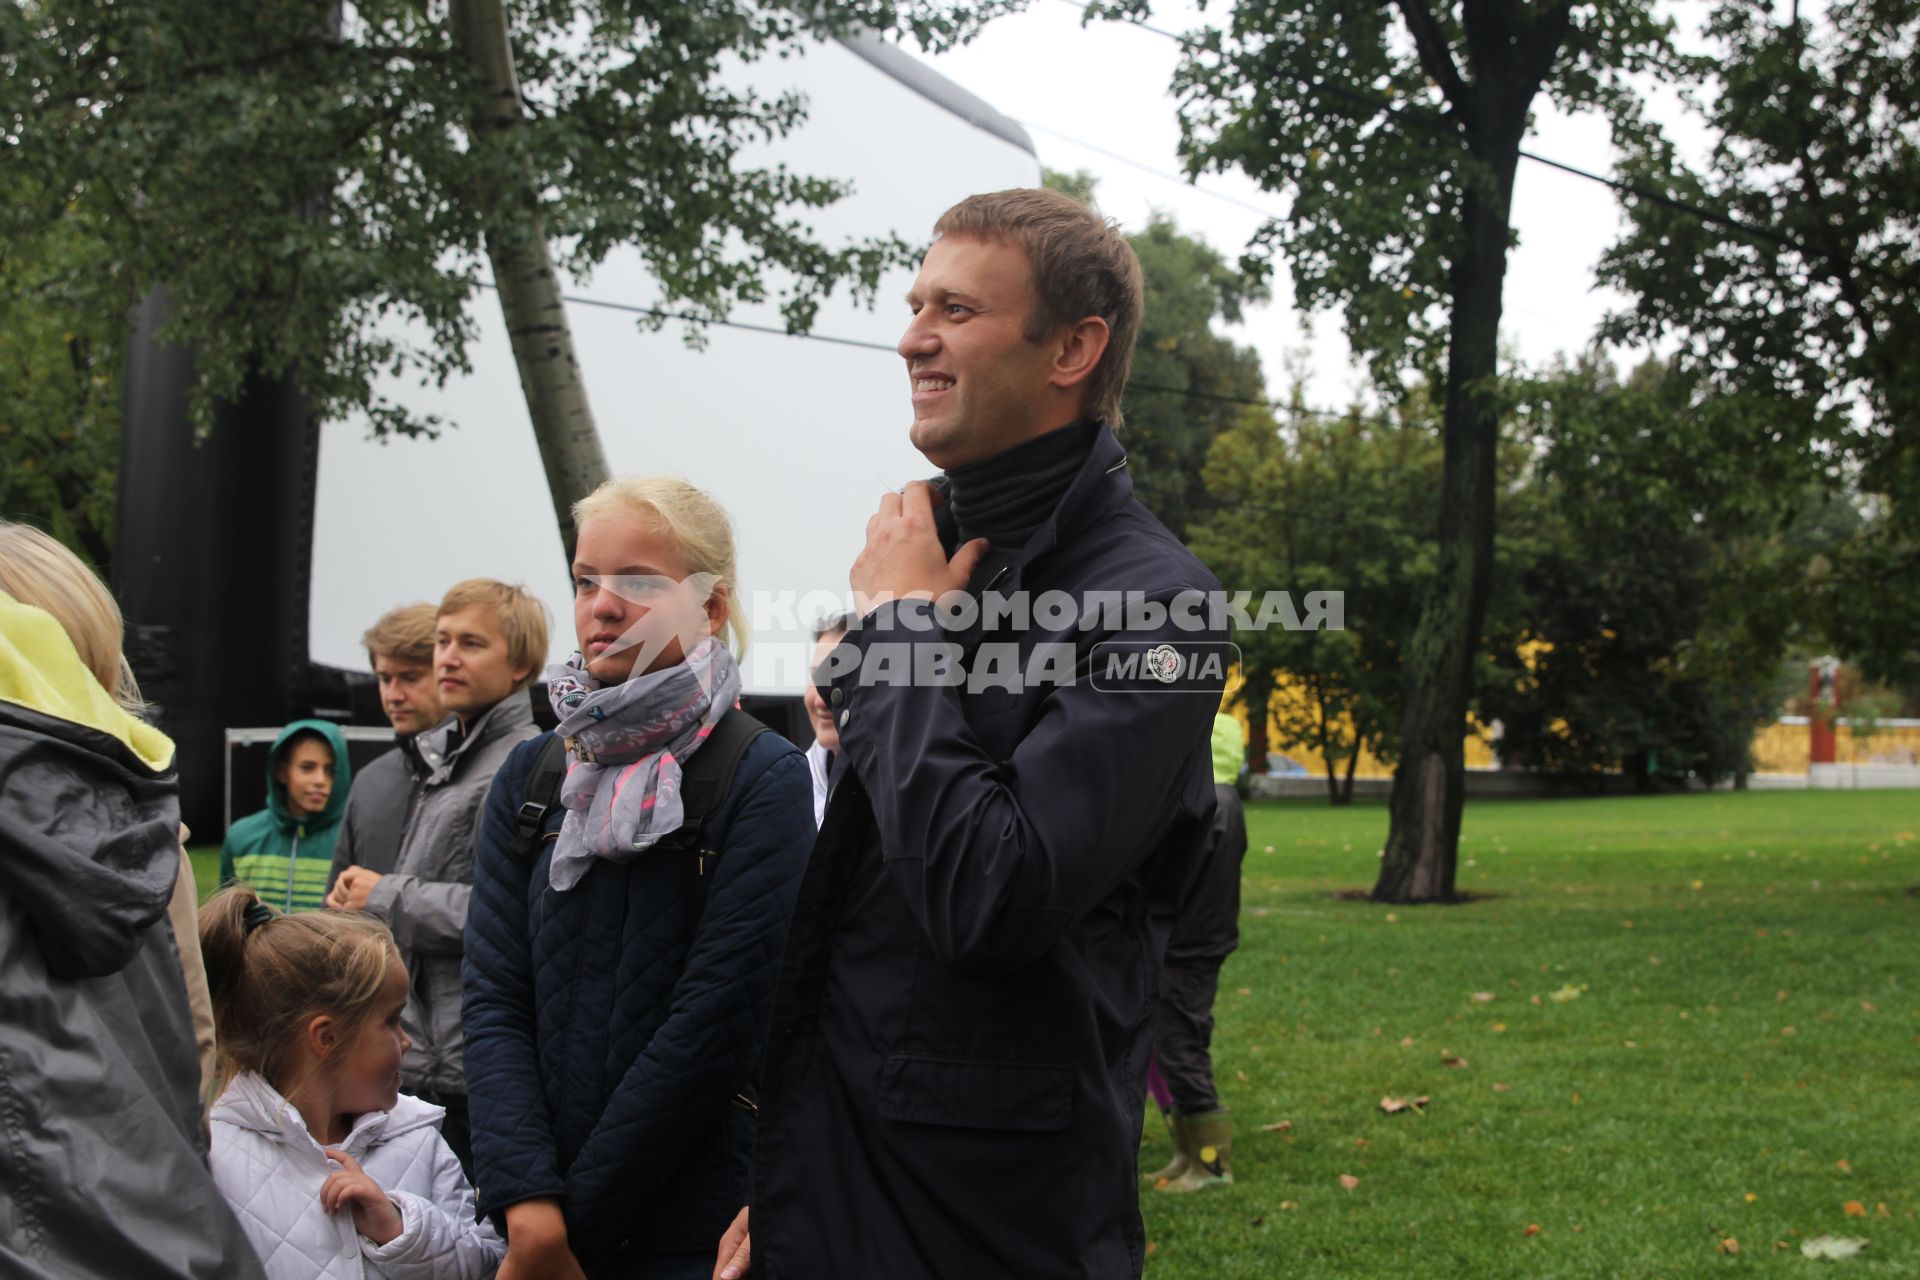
{"x": 954, "y": 1081}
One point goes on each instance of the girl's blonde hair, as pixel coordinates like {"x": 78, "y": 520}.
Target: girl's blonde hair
{"x": 37, "y": 570}
{"x": 270, "y": 978}
{"x": 697, "y": 524}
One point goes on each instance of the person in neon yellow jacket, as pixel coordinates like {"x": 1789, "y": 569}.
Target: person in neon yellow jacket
{"x": 101, "y": 1072}
{"x": 284, "y": 853}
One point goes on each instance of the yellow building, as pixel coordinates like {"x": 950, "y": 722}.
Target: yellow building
{"x": 1782, "y": 747}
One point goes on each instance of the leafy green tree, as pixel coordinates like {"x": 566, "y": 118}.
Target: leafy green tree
{"x": 1188, "y": 383}
{"x": 1325, "y": 504}
{"x": 59, "y": 387}
{"x": 321, "y": 187}
{"x": 1664, "y": 581}
{"x": 1801, "y": 283}
{"x": 1394, "y": 132}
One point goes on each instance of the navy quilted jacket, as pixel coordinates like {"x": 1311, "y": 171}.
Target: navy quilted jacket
{"x": 602, "y": 1058}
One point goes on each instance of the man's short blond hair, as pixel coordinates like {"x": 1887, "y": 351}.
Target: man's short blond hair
{"x": 1082, "y": 266}
{"x": 403, "y": 635}
{"x": 522, "y": 619}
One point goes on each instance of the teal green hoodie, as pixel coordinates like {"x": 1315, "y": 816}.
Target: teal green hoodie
{"x": 285, "y": 859}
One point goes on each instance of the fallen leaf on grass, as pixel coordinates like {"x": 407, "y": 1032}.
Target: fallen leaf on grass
{"x": 1394, "y": 1106}
{"x": 1244, "y": 991}
{"x": 1498, "y": 1087}
{"x": 1843, "y": 1166}
{"x": 1482, "y": 997}
{"x": 1152, "y": 1248}
{"x": 1567, "y": 993}
{"x": 1257, "y": 1220}
{"x": 1406, "y": 1042}
{"x": 1278, "y": 1126}
{"x": 1289, "y": 1206}
{"x": 1348, "y": 1181}
{"x": 1729, "y": 1245}
{"x": 1832, "y": 1247}
{"x": 1450, "y": 1060}
{"x": 1866, "y": 1006}
{"x": 1854, "y": 1209}
{"x": 1533, "y": 1229}
{"x": 1499, "y": 1027}
{"x": 1751, "y": 1197}
{"x": 1241, "y": 1076}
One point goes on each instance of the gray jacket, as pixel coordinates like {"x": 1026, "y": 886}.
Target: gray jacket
{"x": 424, "y": 898}
{"x": 103, "y": 1169}
{"x": 377, "y": 809}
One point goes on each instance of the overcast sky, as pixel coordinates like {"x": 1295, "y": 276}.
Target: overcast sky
{"x": 1092, "y": 95}
{"x": 797, "y": 438}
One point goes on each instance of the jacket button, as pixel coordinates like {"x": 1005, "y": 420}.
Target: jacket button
{"x": 844, "y": 717}
{"x": 839, "y": 696}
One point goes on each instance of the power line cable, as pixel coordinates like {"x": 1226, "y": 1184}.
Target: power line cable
{"x": 1168, "y": 175}
{"x": 1437, "y": 123}
{"x": 775, "y": 331}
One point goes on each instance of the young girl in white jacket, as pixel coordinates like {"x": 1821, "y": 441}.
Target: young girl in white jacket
{"x": 331, "y": 1170}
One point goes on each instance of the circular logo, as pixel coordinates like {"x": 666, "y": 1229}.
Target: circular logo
{"x": 1164, "y": 663}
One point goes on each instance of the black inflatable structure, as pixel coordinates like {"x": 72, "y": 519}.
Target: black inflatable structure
{"x": 213, "y": 547}
{"x": 213, "y": 556}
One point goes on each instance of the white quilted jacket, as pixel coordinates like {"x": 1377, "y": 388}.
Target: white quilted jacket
{"x": 270, "y": 1169}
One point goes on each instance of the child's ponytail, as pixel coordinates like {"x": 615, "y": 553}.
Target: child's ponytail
{"x": 270, "y": 973}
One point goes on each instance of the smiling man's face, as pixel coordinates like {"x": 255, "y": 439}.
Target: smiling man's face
{"x": 979, "y": 386}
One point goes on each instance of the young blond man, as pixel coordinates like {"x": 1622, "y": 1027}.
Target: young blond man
{"x": 489, "y": 646}
{"x": 400, "y": 648}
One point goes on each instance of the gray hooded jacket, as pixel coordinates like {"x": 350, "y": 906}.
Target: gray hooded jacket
{"x": 424, "y": 898}
{"x": 102, "y": 1156}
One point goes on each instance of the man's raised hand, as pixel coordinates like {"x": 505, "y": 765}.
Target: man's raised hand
{"x": 903, "y": 557}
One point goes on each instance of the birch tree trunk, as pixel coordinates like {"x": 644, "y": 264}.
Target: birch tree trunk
{"x": 529, "y": 290}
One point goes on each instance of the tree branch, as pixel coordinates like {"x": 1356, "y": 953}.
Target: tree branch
{"x": 1436, "y": 59}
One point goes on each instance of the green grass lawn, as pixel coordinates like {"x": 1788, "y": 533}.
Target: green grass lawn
{"x": 1740, "y": 1062}
{"x": 1733, "y": 1054}
{"x": 206, "y": 868}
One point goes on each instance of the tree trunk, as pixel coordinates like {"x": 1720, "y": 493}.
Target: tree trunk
{"x": 1423, "y": 836}
{"x": 529, "y": 289}
{"x": 1346, "y": 787}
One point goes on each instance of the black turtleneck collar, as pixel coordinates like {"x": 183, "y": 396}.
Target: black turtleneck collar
{"x": 1006, "y": 497}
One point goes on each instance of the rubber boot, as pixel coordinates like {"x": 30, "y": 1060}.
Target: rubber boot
{"x": 1182, "y": 1156}
{"x": 1209, "y": 1137}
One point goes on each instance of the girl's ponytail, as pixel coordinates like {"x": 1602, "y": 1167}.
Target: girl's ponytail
{"x": 270, "y": 973}
{"x": 223, "y": 941}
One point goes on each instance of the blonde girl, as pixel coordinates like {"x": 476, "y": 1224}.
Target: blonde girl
{"x": 617, "y": 989}
{"x": 332, "y": 1171}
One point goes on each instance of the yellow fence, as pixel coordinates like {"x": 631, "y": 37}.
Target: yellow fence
{"x": 1782, "y": 747}
{"x": 1785, "y": 747}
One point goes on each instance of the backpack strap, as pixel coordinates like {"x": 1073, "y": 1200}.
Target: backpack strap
{"x": 706, "y": 783}
{"x": 542, "y": 793}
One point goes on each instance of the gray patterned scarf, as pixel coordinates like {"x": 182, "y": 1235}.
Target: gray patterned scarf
{"x": 625, "y": 743}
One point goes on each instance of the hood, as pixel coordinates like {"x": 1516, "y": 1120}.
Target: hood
{"x": 342, "y": 777}
{"x": 89, "y": 817}
{"x": 41, "y": 670}
{"x": 250, "y": 1103}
